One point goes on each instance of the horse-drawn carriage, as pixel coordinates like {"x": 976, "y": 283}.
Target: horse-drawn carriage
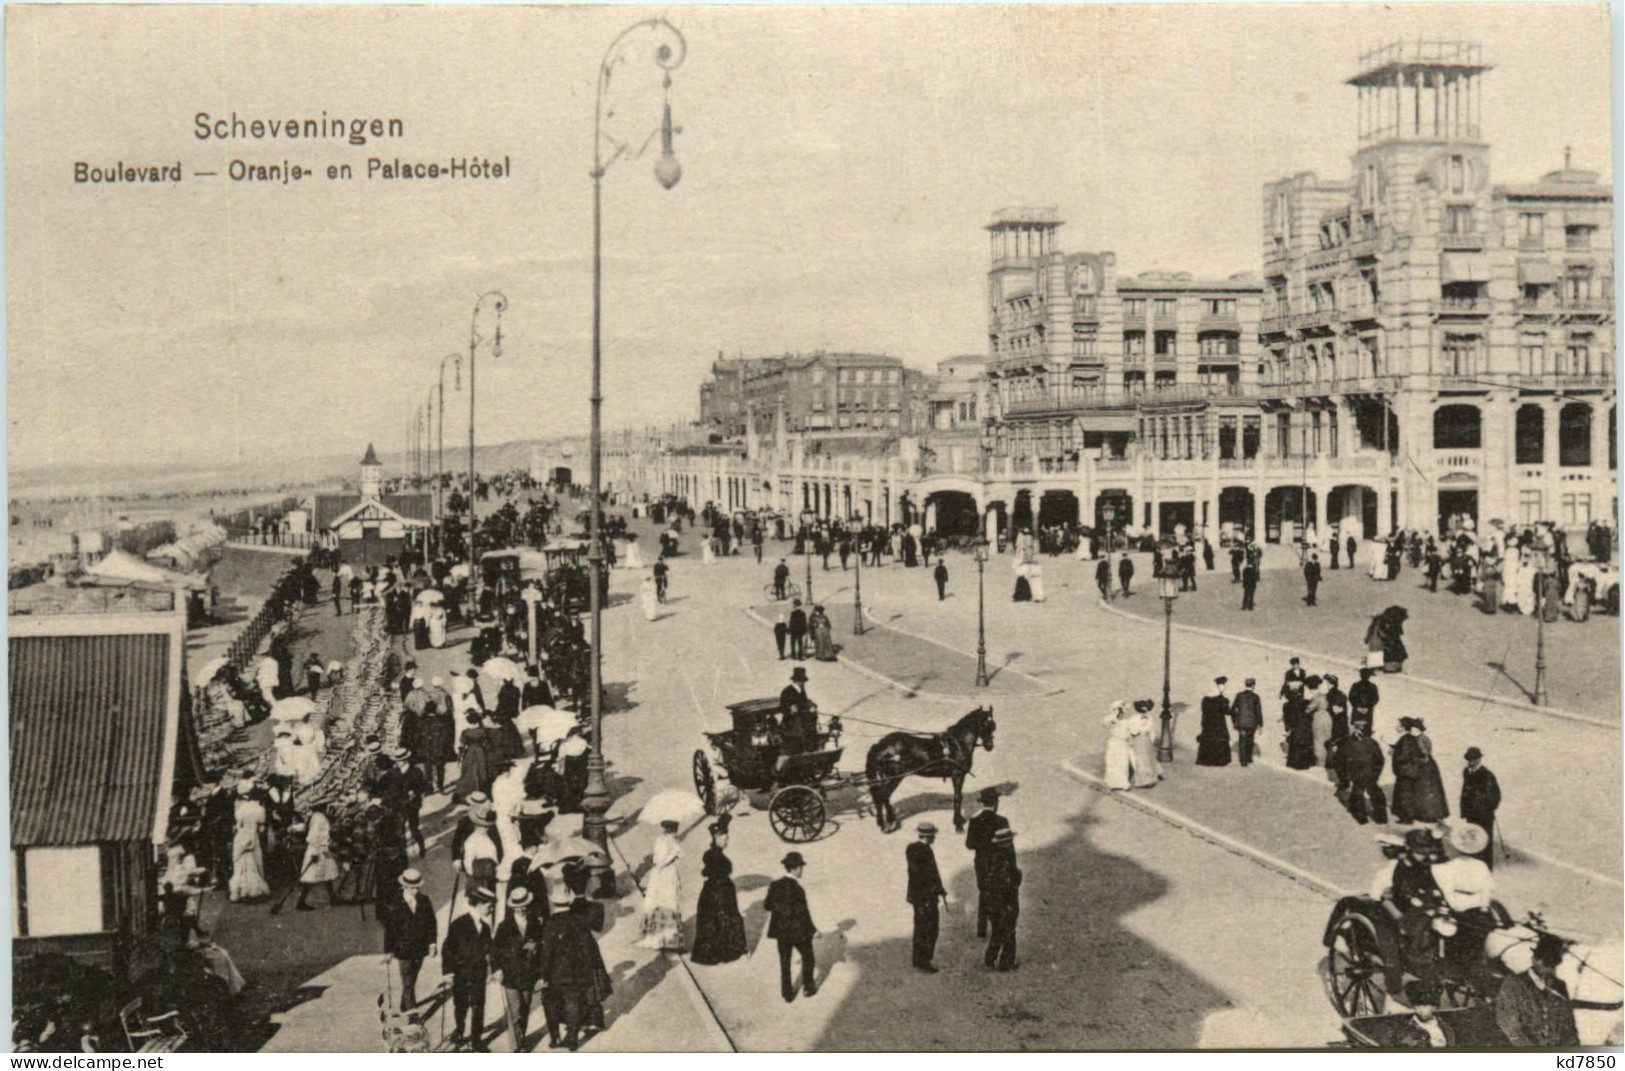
{"x": 1369, "y": 962}
{"x": 565, "y": 579}
{"x": 756, "y": 755}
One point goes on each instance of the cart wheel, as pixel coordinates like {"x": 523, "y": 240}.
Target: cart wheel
{"x": 1582, "y": 602}
{"x": 1355, "y": 968}
{"x": 797, "y": 814}
{"x": 705, "y": 786}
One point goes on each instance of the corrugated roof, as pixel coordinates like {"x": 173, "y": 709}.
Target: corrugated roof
{"x": 415, "y": 506}
{"x": 88, "y": 718}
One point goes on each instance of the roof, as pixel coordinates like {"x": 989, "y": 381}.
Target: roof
{"x": 329, "y": 509}
{"x": 1039, "y": 215}
{"x": 372, "y": 457}
{"x": 412, "y": 506}
{"x": 95, "y": 722}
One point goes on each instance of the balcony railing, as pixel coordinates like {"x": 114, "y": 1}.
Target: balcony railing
{"x": 1459, "y": 461}
{"x": 1603, "y": 377}
{"x": 1461, "y": 242}
{"x": 1462, "y": 306}
{"x": 1271, "y": 325}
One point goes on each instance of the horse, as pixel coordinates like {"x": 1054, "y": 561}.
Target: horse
{"x": 942, "y": 755}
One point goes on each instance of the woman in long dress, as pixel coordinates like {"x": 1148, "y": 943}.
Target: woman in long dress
{"x": 437, "y": 743}
{"x": 662, "y": 894}
{"x": 319, "y": 866}
{"x": 634, "y": 557}
{"x": 1418, "y": 788}
{"x": 247, "y": 854}
{"x": 474, "y": 763}
{"x": 1035, "y": 575}
{"x": 436, "y": 618}
{"x": 1118, "y": 756}
{"x": 309, "y": 744}
{"x": 822, "y": 634}
{"x": 719, "y": 929}
{"x": 650, "y": 598}
{"x": 708, "y": 556}
{"x": 1298, "y": 727}
{"x": 1142, "y": 743}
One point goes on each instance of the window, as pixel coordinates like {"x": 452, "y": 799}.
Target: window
{"x": 1529, "y": 511}
{"x": 1133, "y": 381}
{"x": 1578, "y": 355}
{"x": 845, "y": 421}
{"x": 61, "y": 892}
{"x": 1251, "y": 436}
{"x": 1458, "y": 219}
{"x": 1219, "y": 344}
{"x": 1532, "y": 355}
{"x": 1532, "y": 229}
{"x": 1576, "y": 510}
{"x": 1577, "y": 283}
{"x": 818, "y": 375}
{"x": 1227, "y": 438}
{"x": 1456, "y": 175}
{"x": 1162, "y": 379}
{"x": 1165, "y": 343}
{"x": 1221, "y": 308}
{"x": 1574, "y": 436}
{"x": 1368, "y": 280}
{"x": 1529, "y": 438}
{"x": 970, "y": 409}
{"x": 1578, "y": 236}
{"x": 1134, "y": 308}
{"x": 1165, "y": 308}
{"x": 1457, "y": 427}
{"x": 1283, "y": 434}
{"x": 1460, "y": 355}
{"x": 1134, "y": 345}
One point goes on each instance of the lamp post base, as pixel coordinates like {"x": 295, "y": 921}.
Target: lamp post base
{"x": 595, "y": 826}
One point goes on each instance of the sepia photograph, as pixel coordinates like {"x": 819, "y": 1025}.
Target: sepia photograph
{"x": 907, "y": 528}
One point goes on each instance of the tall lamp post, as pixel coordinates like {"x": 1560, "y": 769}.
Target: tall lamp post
{"x": 1543, "y": 563}
{"x": 857, "y": 587}
{"x": 669, "y": 52}
{"x": 498, "y": 304}
{"x": 981, "y": 547}
{"x": 1168, "y": 588}
{"x": 812, "y": 538}
{"x": 1108, "y": 514}
{"x": 440, "y": 461}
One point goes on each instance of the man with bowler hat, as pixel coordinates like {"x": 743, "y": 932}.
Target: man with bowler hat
{"x": 791, "y": 925}
{"x": 1480, "y": 798}
{"x": 924, "y": 888}
{"x": 979, "y": 840}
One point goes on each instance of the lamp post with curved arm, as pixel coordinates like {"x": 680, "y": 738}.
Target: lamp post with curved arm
{"x": 440, "y": 461}
{"x": 669, "y": 51}
{"x": 498, "y": 304}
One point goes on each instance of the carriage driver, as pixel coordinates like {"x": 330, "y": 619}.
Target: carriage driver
{"x": 798, "y": 716}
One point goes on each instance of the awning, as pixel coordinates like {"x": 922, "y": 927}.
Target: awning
{"x": 1465, "y": 268}
{"x": 1537, "y": 273}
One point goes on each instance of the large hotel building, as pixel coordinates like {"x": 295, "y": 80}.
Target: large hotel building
{"x": 1421, "y": 343}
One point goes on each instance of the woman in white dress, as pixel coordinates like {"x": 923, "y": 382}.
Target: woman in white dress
{"x": 319, "y": 866}
{"x": 1526, "y": 582}
{"x": 650, "y": 597}
{"x": 708, "y": 555}
{"x": 247, "y": 856}
{"x": 266, "y": 674}
{"x": 436, "y": 616}
{"x": 1117, "y": 749}
{"x": 1035, "y": 577}
{"x": 1376, "y": 555}
{"x": 662, "y": 894}
{"x": 462, "y": 697}
{"x": 633, "y": 558}
{"x": 284, "y": 757}
{"x": 1142, "y": 744}
{"x": 310, "y": 743}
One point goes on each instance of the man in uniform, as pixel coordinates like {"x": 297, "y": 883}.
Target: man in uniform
{"x": 1247, "y": 713}
{"x": 1360, "y": 762}
{"x": 1480, "y": 797}
{"x": 979, "y": 840}
{"x": 924, "y": 887}
{"x": 798, "y": 714}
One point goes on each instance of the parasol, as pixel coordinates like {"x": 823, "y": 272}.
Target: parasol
{"x": 210, "y": 668}
{"x": 672, "y": 805}
{"x": 572, "y": 747}
{"x": 548, "y": 723}
{"x": 292, "y": 708}
{"x": 460, "y": 570}
{"x": 430, "y": 597}
{"x": 503, "y": 669}
{"x": 571, "y": 847}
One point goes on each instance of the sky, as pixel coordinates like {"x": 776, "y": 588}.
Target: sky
{"x": 838, "y": 164}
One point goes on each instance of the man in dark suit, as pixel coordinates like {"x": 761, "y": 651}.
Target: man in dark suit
{"x": 516, "y": 953}
{"x": 1311, "y": 578}
{"x": 781, "y": 579}
{"x": 573, "y": 969}
{"x": 1125, "y": 573}
{"x": 798, "y": 631}
{"x": 1363, "y": 697}
{"x": 798, "y": 715}
{"x": 536, "y": 692}
{"x": 791, "y": 925}
{"x": 940, "y": 574}
{"x": 410, "y": 934}
{"x": 924, "y": 888}
{"x": 1247, "y": 714}
{"x": 409, "y": 680}
{"x": 1480, "y": 798}
{"x": 1237, "y": 556}
{"x": 466, "y": 958}
{"x": 338, "y": 596}
{"x": 402, "y": 789}
{"x": 979, "y": 839}
{"x": 1103, "y": 577}
{"x": 781, "y": 633}
{"x": 1004, "y": 890}
{"x": 1360, "y": 760}
{"x": 1249, "y": 584}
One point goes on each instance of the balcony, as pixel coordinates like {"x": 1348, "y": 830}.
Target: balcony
{"x": 1598, "y": 380}
{"x": 1462, "y": 306}
{"x": 1166, "y": 314}
{"x": 1363, "y": 248}
{"x": 1316, "y": 319}
{"x": 1588, "y": 306}
{"x": 1461, "y": 243}
{"x": 1323, "y": 258}
{"x": 1469, "y": 462}
{"x": 1368, "y": 462}
{"x": 1239, "y": 464}
{"x": 1114, "y": 464}
{"x": 1275, "y": 325}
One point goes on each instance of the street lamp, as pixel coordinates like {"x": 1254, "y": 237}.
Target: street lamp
{"x": 980, "y": 548}
{"x": 1108, "y": 514}
{"x": 498, "y": 304}
{"x": 1543, "y": 563}
{"x": 1168, "y": 588}
{"x": 857, "y": 586}
{"x": 440, "y": 462}
{"x": 670, "y": 50}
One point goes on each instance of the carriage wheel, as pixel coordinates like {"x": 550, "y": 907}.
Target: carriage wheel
{"x": 705, "y": 786}
{"x": 797, "y": 814}
{"x": 1355, "y": 968}
{"x": 1582, "y": 602}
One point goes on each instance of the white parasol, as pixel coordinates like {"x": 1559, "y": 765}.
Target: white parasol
{"x": 210, "y": 668}
{"x": 430, "y": 597}
{"x": 460, "y": 570}
{"x": 672, "y": 805}
{"x": 503, "y": 669}
{"x": 571, "y": 847}
{"x": 573, "y": 747}
{"x": 548, "y": 723}
{"x": 292, "y": 708}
